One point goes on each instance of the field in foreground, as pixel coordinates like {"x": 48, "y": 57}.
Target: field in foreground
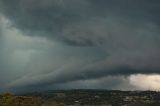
{"x": 82, "y": 98}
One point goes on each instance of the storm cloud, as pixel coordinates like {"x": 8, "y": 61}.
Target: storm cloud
{"x": 58, "y": 43}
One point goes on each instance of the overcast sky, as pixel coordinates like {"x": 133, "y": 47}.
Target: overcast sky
{"x": 79, "y": 44}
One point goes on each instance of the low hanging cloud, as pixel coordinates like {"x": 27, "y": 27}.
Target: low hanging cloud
{"x": 52, "y": 42}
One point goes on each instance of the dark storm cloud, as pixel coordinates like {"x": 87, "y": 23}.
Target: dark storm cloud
{"x": 53, "y": 17}
{"x": 39, "y": 16}
{"x": 104, "y": 37}
{"x": 110, "y": 82}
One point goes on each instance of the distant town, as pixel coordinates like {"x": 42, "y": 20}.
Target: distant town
{"x": 82, "y": 98}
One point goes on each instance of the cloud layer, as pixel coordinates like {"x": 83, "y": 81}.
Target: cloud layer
{"x": 52, "y": 42}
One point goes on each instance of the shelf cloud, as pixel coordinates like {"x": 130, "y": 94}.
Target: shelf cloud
{"x": 58, "y": 43}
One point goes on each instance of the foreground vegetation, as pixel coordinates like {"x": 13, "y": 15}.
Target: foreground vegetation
{"x": 8, "y": 99}
{"x": 82, "y": 98}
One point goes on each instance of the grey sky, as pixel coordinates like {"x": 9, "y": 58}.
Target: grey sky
{"x": 55, "y": 44}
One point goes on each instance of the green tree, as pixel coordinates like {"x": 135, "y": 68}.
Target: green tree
{"x": 61, "y": 104}
{"x": 9, "y": 99}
